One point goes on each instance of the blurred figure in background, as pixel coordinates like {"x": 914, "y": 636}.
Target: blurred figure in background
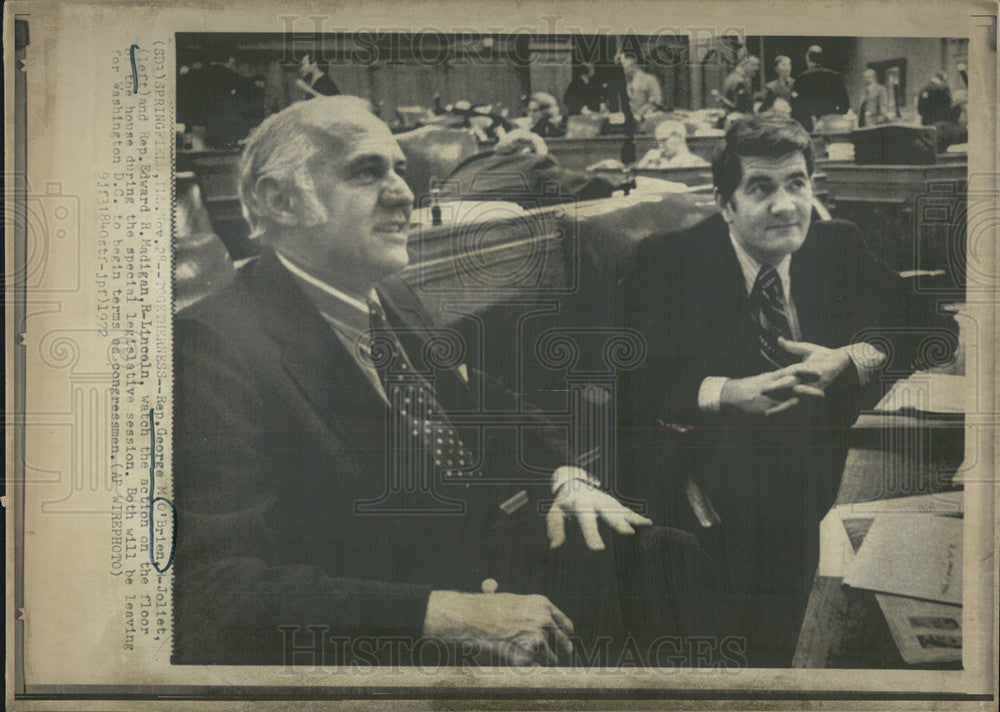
{"x": 780, "y": 107}
{"x": 780, "y": 87}
{"x": 672, "y": 149}
{"x": 819, "y": 91}
{"x": 644, "y": 92}
{"x": 738, "y": 87}
{"x": 954, "y": 130}
{"x": 275, "y": 89}
{"x": 586, "y": 94}
{"x": 546, "y": 119}
{"x": 874, "y": 105}
{"x": 934, "y": 103}
{"x": 313, "y": 81}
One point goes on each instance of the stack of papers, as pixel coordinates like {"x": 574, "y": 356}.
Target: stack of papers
{"x": 840, "y": 151}
{"x": 909, "y": 552}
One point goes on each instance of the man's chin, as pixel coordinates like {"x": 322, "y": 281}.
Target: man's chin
{"x": 396, "y": 261}
{"x": 790, "y": 235}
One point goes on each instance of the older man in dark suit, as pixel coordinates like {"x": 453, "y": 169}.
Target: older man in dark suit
{"x": 767, "y": 331}
{"x": 341, "y": 498}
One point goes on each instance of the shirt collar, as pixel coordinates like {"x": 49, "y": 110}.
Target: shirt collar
{"x": 345, "y": 313}
{"x": 751, "y": 268}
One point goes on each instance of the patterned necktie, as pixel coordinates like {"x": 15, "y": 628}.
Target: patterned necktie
{"x": 767, "y": 301}
{"x": 423, "y": 435}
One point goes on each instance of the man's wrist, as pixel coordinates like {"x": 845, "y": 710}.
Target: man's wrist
{"x": 571, "y": 473}
{"x": 710, "y": 394}
{"x": 867, "y": 360}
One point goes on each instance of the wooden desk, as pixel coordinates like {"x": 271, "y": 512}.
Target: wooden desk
{"x": 578, "y": 153}
{"x": 849, "y": 182}
{"x": 911, "y": 217}
{"x": 893, "y": 456}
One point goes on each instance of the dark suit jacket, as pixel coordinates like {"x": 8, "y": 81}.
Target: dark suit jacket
{"x": 280, "y": 441}
{"x": 278, "y": 438}
{"x": 819, "y": 91}
{"x": 934, "y": 104}
{"x": 770, "y": 479}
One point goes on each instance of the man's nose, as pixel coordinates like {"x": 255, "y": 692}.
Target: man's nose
{"x": 396, "y": 192}
{"x": 781, "y": 201}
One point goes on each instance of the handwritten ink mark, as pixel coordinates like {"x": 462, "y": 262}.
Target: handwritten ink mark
{"x": 135, "y": 73}
{"x": 153, "y": 500}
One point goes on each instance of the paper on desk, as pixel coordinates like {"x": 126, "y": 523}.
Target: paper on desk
{"x": 929, "y": 393}
{"x": 835, "y": 550}
{"x": 649, "y": 184}
{"x": 944, "y": 503}
{"x": 924, "y": 631}
{"x": 917, "y": 555}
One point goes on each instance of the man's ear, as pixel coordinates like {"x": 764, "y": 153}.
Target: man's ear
{"x": 725, "y": 206}
{"x": 279, "y": 201}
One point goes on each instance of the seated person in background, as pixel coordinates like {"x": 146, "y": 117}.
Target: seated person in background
{"x": 520, "y": 141}
{"x": 326, "y": 498}
{"x": 546, "y": 121}
{"x": 874, "y": 106}
{"x": 313, "y": 81}
{"x": 757, "y": 323}
{"x": 644, "y": 93}
{"x": 737, "y": 89}
{"x": 779, "y": 106}
{"x": 934, "y": 102}
{"x": 585, "y": 93}
{"x": 672, "y": 150}
{"x": 780, "y": 88}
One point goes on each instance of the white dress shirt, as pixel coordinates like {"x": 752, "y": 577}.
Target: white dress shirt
{"x": 866, "y": 358}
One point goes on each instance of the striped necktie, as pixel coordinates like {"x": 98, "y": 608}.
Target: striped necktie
{"x": 767, "y": 302}
{"x": 422, "y": 433}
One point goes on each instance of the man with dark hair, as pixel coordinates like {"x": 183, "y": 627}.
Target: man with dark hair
{"x": 336, "y": 491}
{"x": 819, "y": 91}
{"x": 756, "y": 322}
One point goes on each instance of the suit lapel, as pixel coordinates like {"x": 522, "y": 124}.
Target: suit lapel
{"x": 312, "y": 355}
{"x": 731, "y": 316}
{"x": 809, "y": 290}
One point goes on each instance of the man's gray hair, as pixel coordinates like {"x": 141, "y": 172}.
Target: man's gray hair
{"x": 283, "y": 149}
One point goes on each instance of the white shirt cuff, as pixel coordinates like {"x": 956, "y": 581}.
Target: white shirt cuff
{"x": 867, "y": 359}
{"x": 710, "y": 394}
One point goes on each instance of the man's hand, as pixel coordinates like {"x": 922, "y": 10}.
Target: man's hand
{"x": 509, "y": 628}
{"x": 825, "y": 363}
{"x": 577, "y": 496}
{"x": 772, "y": 392}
